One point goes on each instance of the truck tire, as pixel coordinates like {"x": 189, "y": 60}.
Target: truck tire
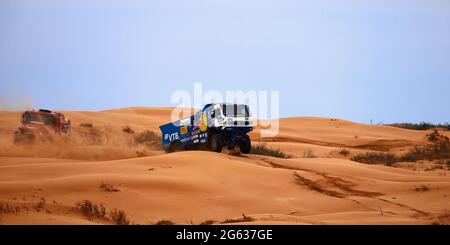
{"x": 215, "y": 142}
{"x": 174, "y": 146}
{"x": 246, "y": 145}
{"x": 166, "y": 148}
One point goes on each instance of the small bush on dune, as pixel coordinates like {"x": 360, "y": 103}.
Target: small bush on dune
{"x": 434, "y": 167}
{"x": 420, "y": 126}
{"x": 119, "y": 217}
{"x": 436, "y": 151}
{"x": 436, "y": 136}
{"x": 439, "y": 150}
{"x": 444, "y": 215}
{"x": 208, "y": 222}
{"x": 413, "y": 155}
{"x": 443, "y": 218}
{"x": 344, "y": 152}
{"x": 263, "y": 149}
{"x": 5, "y": 208}
{"x": 423, "y": 188}
{"x": 375, "y": 157}
{"x": 443, "y": 162}
{"x": 108, "y": 187}
{"x": 92, "y": 210}
{"x": 87, "y": 125}
{"x": 244, "y": 218}
{"x": 127, "y": 129}
{"x": 309, "y": 154}
{"x": 40, "y": 205}
{"x": 89, "y": 209}
{"x": 164, "y": 222}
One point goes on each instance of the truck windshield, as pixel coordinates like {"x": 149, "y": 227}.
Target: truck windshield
{"x": 46, "y": 119}
{"x": 235, "y": 110}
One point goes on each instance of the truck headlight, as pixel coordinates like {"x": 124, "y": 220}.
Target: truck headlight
{"x": 230, "y": 121}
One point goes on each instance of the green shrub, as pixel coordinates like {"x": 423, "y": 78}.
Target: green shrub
{"x": 436, "y": 151}
{"x": 208, "y": 222}
{"x": 127, "y": 129}
{"x": 243, "y": 219}
{"x": 309, "y": 154}
{"x": 344, "y": 152}
{"x": 420, "y": 126}
{"x": 423, "y": 188}
{"x": 263, "y": 149}
{"x": 108, "y": 187}
{"x": 413, "y": 155}
{"x": 41, "y": 204}
{"x": 164, "y": 222}
{"x": 5, "y": 208}
{"x": 119, "y": 217}
{"x": 89, "y": 209}
{"x": 375, "y": 157}
{"x": 436, "y": 136}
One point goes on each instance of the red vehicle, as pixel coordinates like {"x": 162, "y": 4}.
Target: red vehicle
{"x": 41, "y": 124}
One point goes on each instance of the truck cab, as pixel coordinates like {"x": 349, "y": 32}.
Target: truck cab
{"x": 41, "y": 124}
{"x": 215, "y": 126}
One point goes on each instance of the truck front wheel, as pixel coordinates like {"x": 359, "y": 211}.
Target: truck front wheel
{"x": 215, "y": 142}
{"x": 245, "y": 145}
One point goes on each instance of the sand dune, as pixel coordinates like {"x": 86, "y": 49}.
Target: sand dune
{"x": 41, "y": 185}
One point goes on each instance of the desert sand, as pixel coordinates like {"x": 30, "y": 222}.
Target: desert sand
{"x": 42, "y": 183}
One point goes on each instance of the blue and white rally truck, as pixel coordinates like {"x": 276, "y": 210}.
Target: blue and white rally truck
{"x": 214, "y": 127}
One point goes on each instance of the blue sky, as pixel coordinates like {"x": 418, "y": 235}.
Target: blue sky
{"x": 386, "y": 61}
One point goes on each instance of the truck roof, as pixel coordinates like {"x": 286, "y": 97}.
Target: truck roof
{"x": 45, "y": 112}
{"x": 228, "y": 104}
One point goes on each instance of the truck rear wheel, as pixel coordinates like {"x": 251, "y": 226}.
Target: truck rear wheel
{"x": 173, "y": 147}
{"x": 166, "y": 148}
{"x": 215, "y": 143}
{"x": 245, "y": 145}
